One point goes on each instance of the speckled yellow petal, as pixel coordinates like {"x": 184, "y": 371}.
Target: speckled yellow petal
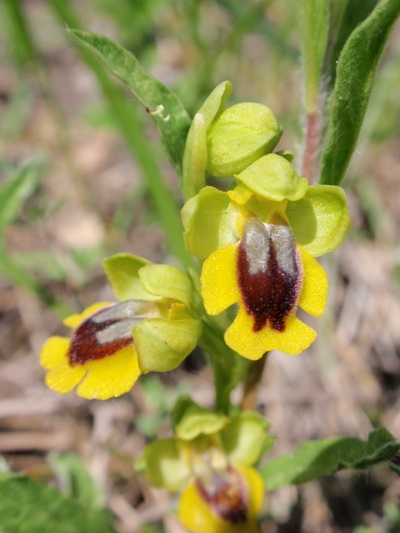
{"x": 74, "y": 320}
{"x": 64, "y": 378}
{"x": 110, "y": 376}
{"x": 197, "y": 516}
{"x": 54, "y": 352}
{"x": 219, "y": 287}
{"x": 314, "y": 290}
{"x": 252, "y": 345}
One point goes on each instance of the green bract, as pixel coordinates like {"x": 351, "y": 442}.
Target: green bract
{"x": 242, "y": 440}
{"x": 161, "y": 343}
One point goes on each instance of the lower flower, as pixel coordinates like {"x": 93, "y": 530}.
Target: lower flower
{"x": 100, "y": 358}
{"x": 223, "y": 501}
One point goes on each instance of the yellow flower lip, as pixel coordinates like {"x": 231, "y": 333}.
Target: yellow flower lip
{"x": 303, "y": 280}
{"x": 100, "y": 359}
{"x": 226, "y": 495}
{"x": 269, "y": 272}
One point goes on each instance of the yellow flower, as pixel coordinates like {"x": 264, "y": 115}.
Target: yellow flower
{"x": 226, "y": 502}
{"x": 210, "y": 462}
{"x": 100, "y": 359}
{"x": 269, "y": 276}
{"x": 152, "y": 329}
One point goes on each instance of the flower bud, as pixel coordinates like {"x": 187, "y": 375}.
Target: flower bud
{"x": 239, "y": 136}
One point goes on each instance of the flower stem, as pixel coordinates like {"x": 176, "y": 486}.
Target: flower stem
{"x": 254, "y": 377}
{"x": 229, "y": 369}
{"x": 311, "y": 145}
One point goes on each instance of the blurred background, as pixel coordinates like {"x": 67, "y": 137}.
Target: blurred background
{"x": 78, "y": 147}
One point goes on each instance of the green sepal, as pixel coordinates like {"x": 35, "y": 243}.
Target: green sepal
{"x": 195, "y": 421}
{"x": 164, "y": 465}
{"x": 195, "y": 154}
{"x": 195, "y": 158}
{"x": 246, "y": 438}
{"x": 239, "y": 136}
{"x": 287, "y": 154}
{"x": 215, "y": 102}
{"x": 162, "y": 344}
{"x": 205, "y": 218}
{"x": 274, "y": 178}
{"x": 166, "y": 281}
{"x": 122, "y": 271}
{"x": 320, "y": 220}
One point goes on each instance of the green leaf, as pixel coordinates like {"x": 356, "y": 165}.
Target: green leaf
{"x": 314, "y": 25}
{"x": 355, "y": 72}
{"x": 345, "y": 16}
{"x": 17, "y": 189}
{"x": 76, "y": 480}
{"x": 165, "y": 108}
{"x": 321, "y": 458}
{"x": 28, "y": 506}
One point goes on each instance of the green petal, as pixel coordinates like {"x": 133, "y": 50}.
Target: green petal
{"x": 320, "y": 220}
{"x": 195, "y": 158}
{"x": 215, "y": 102}
{"x": 274, "y": 178}
{"x": 206, "y": 220}
{"x": 246, "y": 438}
{"x": 162, "y": 345}
{"x": 197, "y": 421}
{"x": 122, "y": 273}
{"x": 239, "y": 136}
{"x": 166, "y": 281}
{"x": 164, "y": 465}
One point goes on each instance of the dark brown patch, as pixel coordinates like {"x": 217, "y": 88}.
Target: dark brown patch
{"x": 85, "y": 347}
{"x": 270, "y": 294}
{"x": 228, "y": 499}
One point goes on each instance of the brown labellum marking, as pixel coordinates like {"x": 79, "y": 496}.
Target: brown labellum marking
{"x": 107, "y": 331}
{"x": 227, "y": 498}
{"x": 269, "y": 272}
